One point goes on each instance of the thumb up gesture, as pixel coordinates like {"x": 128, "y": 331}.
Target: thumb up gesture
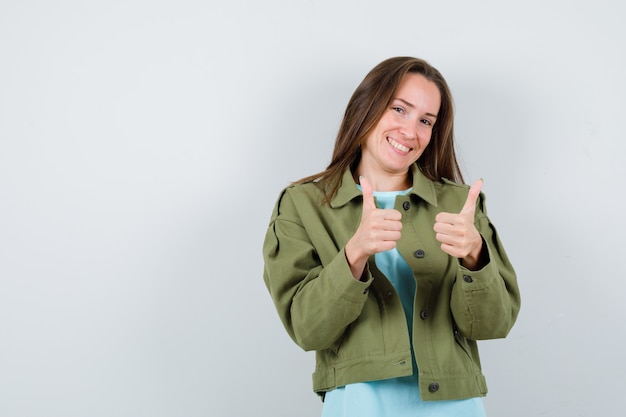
{"x": 457, "y": 233}
{"x": 378, "y": 231}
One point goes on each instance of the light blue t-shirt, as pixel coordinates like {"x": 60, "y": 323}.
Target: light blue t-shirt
{"x": 396, "y": 397}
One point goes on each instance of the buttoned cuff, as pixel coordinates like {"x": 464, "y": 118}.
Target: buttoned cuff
{"x": 345, "y": 284}
{"x": 479, "y": 279}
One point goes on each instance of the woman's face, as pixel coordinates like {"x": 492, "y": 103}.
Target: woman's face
{"x": 404, "y": 130}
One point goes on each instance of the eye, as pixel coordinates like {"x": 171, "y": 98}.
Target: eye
{"x": 398, "y": 109}
{"x": 427, "y": 122}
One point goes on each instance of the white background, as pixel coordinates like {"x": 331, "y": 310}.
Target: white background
{"x": 143, "y": 144}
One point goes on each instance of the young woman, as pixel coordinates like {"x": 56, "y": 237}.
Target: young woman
{"x": 386, "y": 264}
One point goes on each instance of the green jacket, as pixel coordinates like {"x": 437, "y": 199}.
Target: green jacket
{"x": 358, "y": 328}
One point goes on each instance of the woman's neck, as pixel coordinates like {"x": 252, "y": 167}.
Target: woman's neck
{"x": 388, "y": 182}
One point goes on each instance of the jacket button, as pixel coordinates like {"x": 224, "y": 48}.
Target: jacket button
{"x": 434, "y": 387}
{"x": 365, "y": 291}
{"x": 406, "y": 206}
{"x": 467, "y": 278}
{"x": 419, "y": 253}
{"x": 423, "y": 314}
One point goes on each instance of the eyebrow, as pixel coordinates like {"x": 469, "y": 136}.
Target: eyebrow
{"x": 412, "y": 106}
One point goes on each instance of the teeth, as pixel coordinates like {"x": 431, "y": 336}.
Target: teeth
{"x": 397, "y": 145}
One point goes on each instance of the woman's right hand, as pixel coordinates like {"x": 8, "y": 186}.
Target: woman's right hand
{"x": 378, "y": 231}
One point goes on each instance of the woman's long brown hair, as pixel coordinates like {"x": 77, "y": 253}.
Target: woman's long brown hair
{"x": 366, "y": 107}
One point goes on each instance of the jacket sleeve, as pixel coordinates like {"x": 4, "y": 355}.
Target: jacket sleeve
{"x": 315, "y": 302}
{"x": 485, "y": 303}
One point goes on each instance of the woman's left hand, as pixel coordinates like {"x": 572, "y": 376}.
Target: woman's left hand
{"x": 457, "y": 233}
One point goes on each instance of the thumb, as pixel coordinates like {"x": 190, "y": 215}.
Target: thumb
{"x": 472, "y": 197}
{"x": 368, "y": 194}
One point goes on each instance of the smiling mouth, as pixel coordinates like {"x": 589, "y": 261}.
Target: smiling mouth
{"x": 398, "y": 145}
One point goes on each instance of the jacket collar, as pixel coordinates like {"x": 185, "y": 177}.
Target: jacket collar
{"x": 422, "y": 188}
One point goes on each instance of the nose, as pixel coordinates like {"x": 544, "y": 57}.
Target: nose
{"x": 409, "y": 130}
